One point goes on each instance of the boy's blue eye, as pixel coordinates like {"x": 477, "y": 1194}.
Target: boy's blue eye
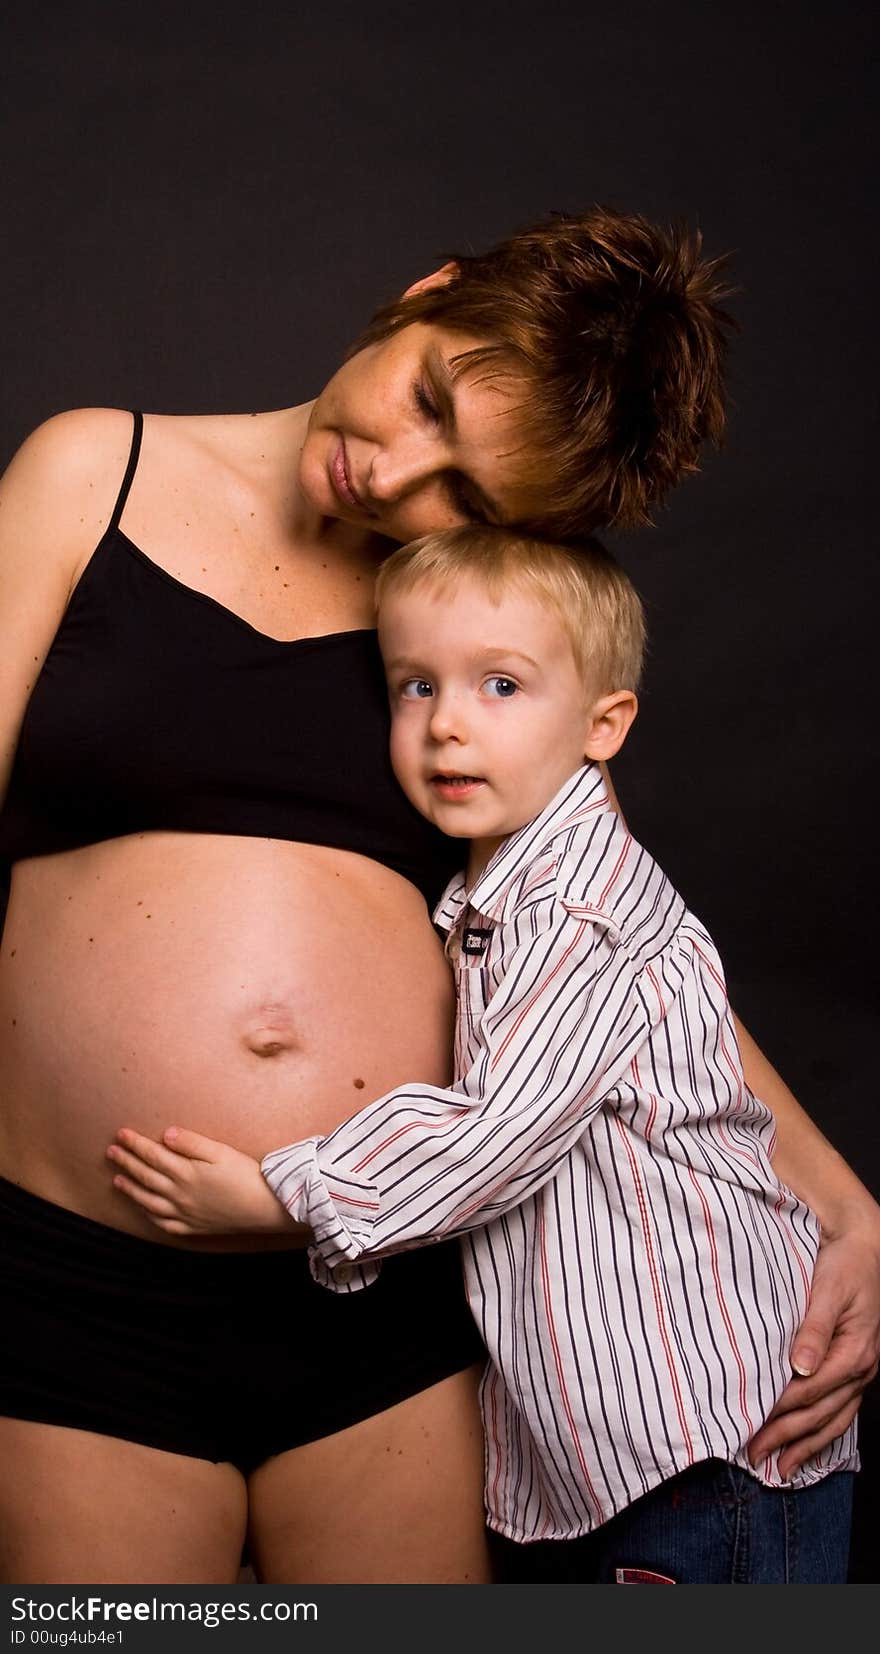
{"x": 415, "y": 689}
{"x": 500, "y": 688}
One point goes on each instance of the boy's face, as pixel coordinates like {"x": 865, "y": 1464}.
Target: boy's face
{"x": 489, "y": 712}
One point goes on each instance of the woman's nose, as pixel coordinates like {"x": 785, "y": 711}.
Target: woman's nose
{"x": 400, "y": 469}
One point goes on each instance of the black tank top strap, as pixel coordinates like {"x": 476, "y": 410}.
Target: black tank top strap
{"x": 130, "y": 469}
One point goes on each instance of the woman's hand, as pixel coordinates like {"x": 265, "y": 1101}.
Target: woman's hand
{"x": 191, "y": 1185}
{"x": 837, "y": 1350}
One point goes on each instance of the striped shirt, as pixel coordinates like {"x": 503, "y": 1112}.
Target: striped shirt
{"x": 635, "y": 1268}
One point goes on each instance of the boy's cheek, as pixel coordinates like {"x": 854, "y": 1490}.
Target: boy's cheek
{"x": 403, "y": 760}
{"x": 396, "y": 744}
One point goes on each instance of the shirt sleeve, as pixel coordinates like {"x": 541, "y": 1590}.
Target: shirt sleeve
{"x": 426, "y": 1162}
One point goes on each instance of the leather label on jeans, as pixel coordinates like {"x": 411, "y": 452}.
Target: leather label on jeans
{"x": 640, "y": 1576}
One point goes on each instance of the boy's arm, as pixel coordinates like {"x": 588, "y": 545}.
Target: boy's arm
{"x": 425, "y": 1162}
{"x": 192, "y": 1185}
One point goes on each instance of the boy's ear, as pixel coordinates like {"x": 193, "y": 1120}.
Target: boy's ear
{"x": 609, "y": 723}
{"x": 437, "y": 278}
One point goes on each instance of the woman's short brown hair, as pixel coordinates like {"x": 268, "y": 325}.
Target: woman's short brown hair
{"x": 616, "y": 328}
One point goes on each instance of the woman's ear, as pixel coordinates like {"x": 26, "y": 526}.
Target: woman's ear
{"x": 609, "y": 722}
{"x": 437, "y": 278}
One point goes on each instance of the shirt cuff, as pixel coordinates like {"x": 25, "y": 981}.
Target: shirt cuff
{"x": 340, "y": 1211}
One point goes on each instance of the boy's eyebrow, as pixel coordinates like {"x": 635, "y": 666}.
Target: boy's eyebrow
{"x": 444, "y": 384}
{"x": 488, "y": 652}
{"x": 402, "y": 663}
{"x": 504, "y": 652}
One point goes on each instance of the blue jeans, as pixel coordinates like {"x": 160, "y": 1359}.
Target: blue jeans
{"x": 712, "y": 1525}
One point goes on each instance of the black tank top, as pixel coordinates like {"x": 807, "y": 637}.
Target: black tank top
{"x": 159, "y": 709}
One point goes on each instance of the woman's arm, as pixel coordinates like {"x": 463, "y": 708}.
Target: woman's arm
{"x": 838, "y": 1345}
{"x": 55, "y": 500}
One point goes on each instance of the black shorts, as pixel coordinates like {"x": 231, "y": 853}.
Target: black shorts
{"x": 223, "y": 1356}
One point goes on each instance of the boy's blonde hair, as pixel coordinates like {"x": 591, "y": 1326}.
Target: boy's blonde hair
{"x": 594, "y": 601}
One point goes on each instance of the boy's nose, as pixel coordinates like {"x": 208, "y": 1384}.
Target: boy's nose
{"x": 447, "y": 720}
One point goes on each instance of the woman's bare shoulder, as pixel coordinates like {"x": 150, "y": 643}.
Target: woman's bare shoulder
{"x": 61, "y": 486}
{"x": 92, "y": 440}
{"x": 58, "y": 492}
{"x": 73, "y": 454}
{"x": 78, "y": 437}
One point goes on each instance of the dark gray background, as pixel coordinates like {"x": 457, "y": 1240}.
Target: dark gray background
{"x": 201, "y": 205}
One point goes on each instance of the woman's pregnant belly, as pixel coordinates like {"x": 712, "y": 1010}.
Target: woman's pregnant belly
{"x": 252, "y": 989}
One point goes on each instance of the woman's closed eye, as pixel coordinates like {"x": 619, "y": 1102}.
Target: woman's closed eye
{"x": 456, "y": 489}
{"x": 425, "y": 402}
{"x": 500, "y": 688}
{"x": 456, "y": 486}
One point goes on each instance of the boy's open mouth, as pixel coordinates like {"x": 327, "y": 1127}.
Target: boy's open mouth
{"x": 455, "y": 785}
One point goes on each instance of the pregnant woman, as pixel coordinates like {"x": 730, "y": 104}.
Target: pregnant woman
{"x": 213, "y": 918}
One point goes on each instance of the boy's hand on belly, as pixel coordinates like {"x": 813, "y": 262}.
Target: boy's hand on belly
{"x": 191, "y": 1185}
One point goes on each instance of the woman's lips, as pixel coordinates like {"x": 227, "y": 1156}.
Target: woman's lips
{"x": 340, "y": 480}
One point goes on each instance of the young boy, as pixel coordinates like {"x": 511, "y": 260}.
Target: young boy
{"x": 636, "y": 1270}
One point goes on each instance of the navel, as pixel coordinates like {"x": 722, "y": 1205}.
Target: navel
{"x": 269, "y": 1031}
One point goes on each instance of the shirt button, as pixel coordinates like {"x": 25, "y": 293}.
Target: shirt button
{"x": 343, "y": 1274}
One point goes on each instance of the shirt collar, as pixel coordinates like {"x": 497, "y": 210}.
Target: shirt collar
{"x": 583, "y": 794}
